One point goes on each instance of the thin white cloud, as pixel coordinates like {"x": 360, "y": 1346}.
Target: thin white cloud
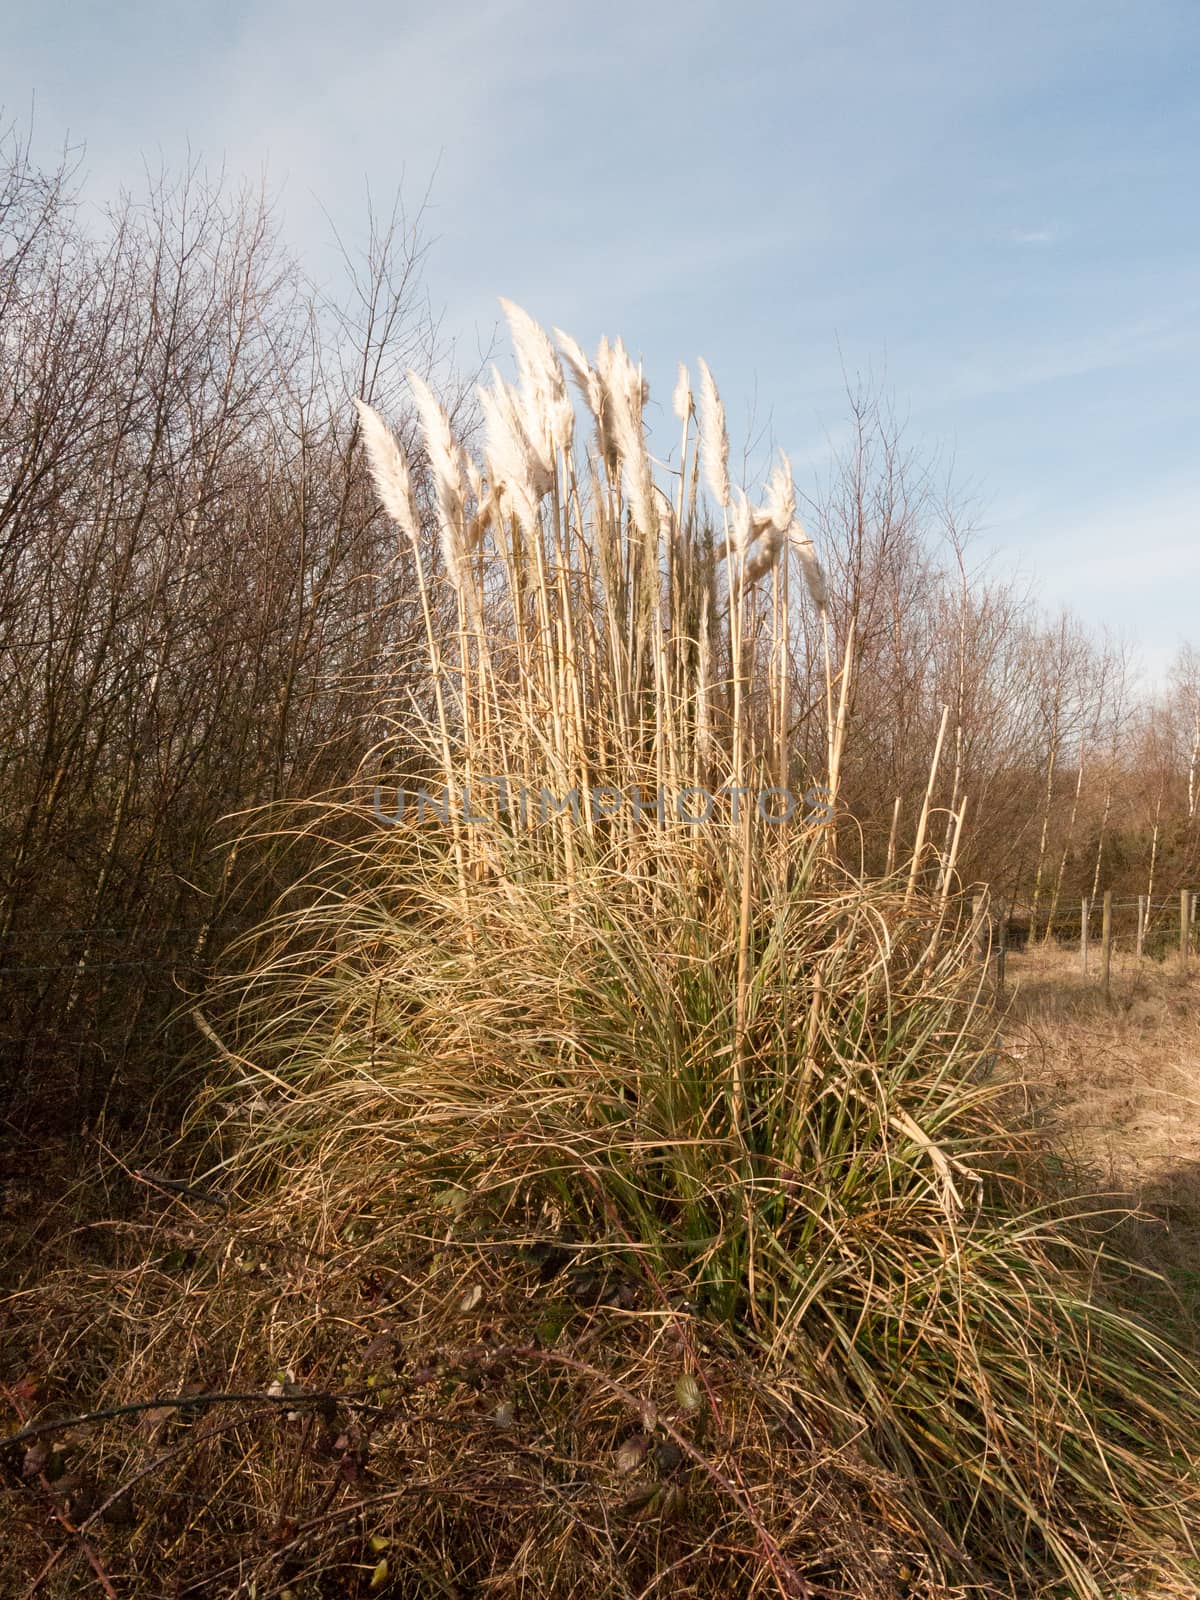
{"x": 1005, "y": 369}
{"x": 1139, "y": 555}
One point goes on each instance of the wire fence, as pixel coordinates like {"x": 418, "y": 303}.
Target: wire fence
{"x": 1097, "y": 927}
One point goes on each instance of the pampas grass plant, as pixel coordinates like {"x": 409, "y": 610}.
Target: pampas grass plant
{"x": 705, "y": 1053}
{"x": 668, "y": 1140}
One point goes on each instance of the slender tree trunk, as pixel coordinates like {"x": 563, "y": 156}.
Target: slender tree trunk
{"x": 1062, "y": 865}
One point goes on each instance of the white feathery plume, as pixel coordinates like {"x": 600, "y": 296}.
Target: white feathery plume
{"x": 603, "y": 410}
{"x": 470, "y": 476}
{"x": 747, "y": 524}
{"x": 484, "y": 501}
{"x": 539, "y": 462}
{"x": 668, "y": 523}
{"x": 780, "y": 503}
{"x": 714, "y": 440}
{"x": 614, "y": 359}
{"x": 581, "y": 370}
{"x": 814, "y": 576}
{"x": 761, "y": 521}
{"x": 511, "y": 461}
{"x": 581, "y": 367}
{"x": 625, "y": 390}
{"x": 742, "y": 532}
{"x": 681, "y": 400}
{"x": 389, "y": 470}
{"x": 605, "y": 355}
{"x": 497, "y": 494}
{"x": 477, "y": 526}
{"x": 591, "y": 387}
{"x": 543, "y": 387}
{"x": 445, "y": 464}
{"x": 762, "y": 557}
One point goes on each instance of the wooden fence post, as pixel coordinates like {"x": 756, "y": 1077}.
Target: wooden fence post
{"x": 1001, "y": 952}
{"x": 1185, "y": 927}
{"x": 1141, "y": 928}
{"x": 1106, "y": 935}
{"x": 1084, "y": 914}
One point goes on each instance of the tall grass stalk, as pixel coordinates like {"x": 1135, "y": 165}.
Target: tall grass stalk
{"x": 923, "y": 823}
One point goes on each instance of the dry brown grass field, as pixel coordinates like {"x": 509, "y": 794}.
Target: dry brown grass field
{"x": 1117, "y": 1085}
{"x": 119, "y": 1270}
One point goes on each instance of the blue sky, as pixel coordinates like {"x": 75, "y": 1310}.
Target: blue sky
{"x": 994, "y": 208}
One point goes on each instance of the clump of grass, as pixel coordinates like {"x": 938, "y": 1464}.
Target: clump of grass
{"x": 706, "y": 1052}
{"x": 823, "y": 1180}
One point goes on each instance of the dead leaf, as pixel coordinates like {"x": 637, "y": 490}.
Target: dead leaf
{"x": 673, "y": 1501}
{"x": 471, "y": 1299}
{"x": 643, "y": 1503}
{"x": 688, "y": 1393}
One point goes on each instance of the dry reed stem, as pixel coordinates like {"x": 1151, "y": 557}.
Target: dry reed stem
{"x": 919, "y": 844}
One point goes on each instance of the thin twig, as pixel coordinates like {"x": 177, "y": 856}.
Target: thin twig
{"x": 39, "y": 1430}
